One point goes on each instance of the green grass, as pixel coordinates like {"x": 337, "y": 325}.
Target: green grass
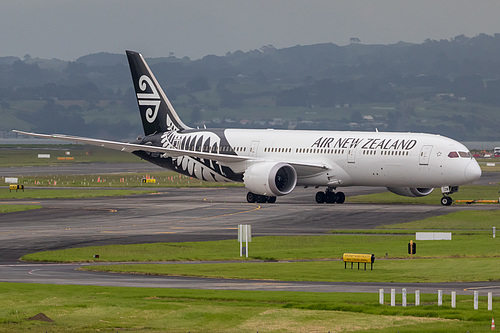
{"x": 111, "y": 309}
{"x": 467, "y": 192}
{"x": 17, "y": 208}
{"x": 472, "y": 220}
{"x": 27, "y": 155}
{"x": 36, "y": 193}
{"x": 468, "y": 222}
{"x": 163, "y": 179}
{"x": 281, "y": 248}
{"x": 405, "y": 271}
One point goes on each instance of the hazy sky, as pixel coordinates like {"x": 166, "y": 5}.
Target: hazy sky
{"x": 68, "y": 29}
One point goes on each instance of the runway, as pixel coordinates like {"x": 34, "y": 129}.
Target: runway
{"x": 190, "y": 214}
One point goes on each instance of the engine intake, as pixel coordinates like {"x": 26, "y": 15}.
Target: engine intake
{"x": 270, "y": 178}
{"x": 411, "y": 191}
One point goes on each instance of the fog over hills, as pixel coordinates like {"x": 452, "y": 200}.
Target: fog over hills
{"x": 450, "y": 87}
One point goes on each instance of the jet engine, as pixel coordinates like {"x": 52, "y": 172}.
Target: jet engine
{"x": 270, "y": 178}
{"x": 411, "y": 191}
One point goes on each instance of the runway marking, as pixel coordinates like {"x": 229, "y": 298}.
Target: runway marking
{"x": 203, "y": 218}
{"x": 257, "y": 207}
{"x": 221, "y": 215}
{"x": 479, "y": 288}
{"x": 165, "y": 232}
{"x": 217, "y": 208}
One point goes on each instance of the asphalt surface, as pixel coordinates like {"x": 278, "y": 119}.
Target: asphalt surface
{"x": 185, "y": 214}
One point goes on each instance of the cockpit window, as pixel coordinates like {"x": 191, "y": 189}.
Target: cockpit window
{"x": 464, "y": 154}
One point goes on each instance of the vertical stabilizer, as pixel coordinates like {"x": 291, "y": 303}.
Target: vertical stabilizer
{"x": 157, "y": 113}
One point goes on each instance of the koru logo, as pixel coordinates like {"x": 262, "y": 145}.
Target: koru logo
{"x": 151, "y": 99}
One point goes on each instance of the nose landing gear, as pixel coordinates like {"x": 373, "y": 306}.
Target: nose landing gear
{"x": 446, "y": 200}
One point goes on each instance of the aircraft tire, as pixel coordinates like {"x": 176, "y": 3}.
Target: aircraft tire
{"x": 340, "y": 197}
{"x": 261, "y": 198}
{"x": 271, "y": 200}
{"x": 331, "y": 197}
{"x": 320, "y": 197}
{"x": 446, "y": 201}
{"x": 251, "y": 198}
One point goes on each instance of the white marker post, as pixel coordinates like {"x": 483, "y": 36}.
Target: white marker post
{"x": 476, "y": 300}
{"x": 404, "y": 297}
{"x": 494, "y": 231}
{"x": 490, "y": 301}
{"x": 244, "y": 235}
{"x": 440, "y": 297}
{"x": 453, "y": 299}
{"x": 393, "y": 297}
{"x": 381, "y": 296}
{"x": 417, "y": 297}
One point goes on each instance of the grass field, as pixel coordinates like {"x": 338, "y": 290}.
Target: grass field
{"x": 468, "y": 222}
{"x": 27, "y": 155}
{"x": 17, "y": 208}
{"x": 405, "y": 271}
{"x": 273, "y": 248}
{"x": 113, "y": 309}
{"x": 162, "y": 179}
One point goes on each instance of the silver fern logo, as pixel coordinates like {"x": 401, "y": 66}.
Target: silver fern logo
{"x": 150, "y": 99}
{"x": 203, "y": 141}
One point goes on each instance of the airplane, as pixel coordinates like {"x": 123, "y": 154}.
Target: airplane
{"x": 273, "y": 163}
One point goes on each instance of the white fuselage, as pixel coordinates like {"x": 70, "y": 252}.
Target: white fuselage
{"x": 360, "y": 158}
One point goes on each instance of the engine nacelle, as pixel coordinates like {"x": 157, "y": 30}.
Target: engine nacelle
{"x": 270, "y": 178}
{"x": 411, "y": 191}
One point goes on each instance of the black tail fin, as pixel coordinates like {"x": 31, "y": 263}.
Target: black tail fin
{"x": 157, "y": 113}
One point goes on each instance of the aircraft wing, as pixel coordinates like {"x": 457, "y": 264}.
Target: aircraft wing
{"x": 301, "y": 167}
{"x": 131, "y": 147}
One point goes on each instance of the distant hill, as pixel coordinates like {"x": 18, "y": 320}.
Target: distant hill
{"x": 451, "y": 87}
{"x": 103, "y": 59}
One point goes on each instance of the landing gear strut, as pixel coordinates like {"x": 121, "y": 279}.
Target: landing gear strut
{"x": 447, "y": 190}
{"x": 330, "y": 197}
{"x": 252, "y": 198}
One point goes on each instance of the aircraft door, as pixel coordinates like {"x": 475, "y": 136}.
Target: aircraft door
{"x": 351, "y": 155}
{"x": 425, "y": 154}
{"x": 253, "y": 148}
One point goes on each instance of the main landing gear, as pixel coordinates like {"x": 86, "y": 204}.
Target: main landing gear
{"x": 447, "y": 190}
{"x": 252, "y": 197}
{"x": 330, "y": 197}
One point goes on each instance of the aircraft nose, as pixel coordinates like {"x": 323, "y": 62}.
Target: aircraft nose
{"x": 472, "y": 171}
